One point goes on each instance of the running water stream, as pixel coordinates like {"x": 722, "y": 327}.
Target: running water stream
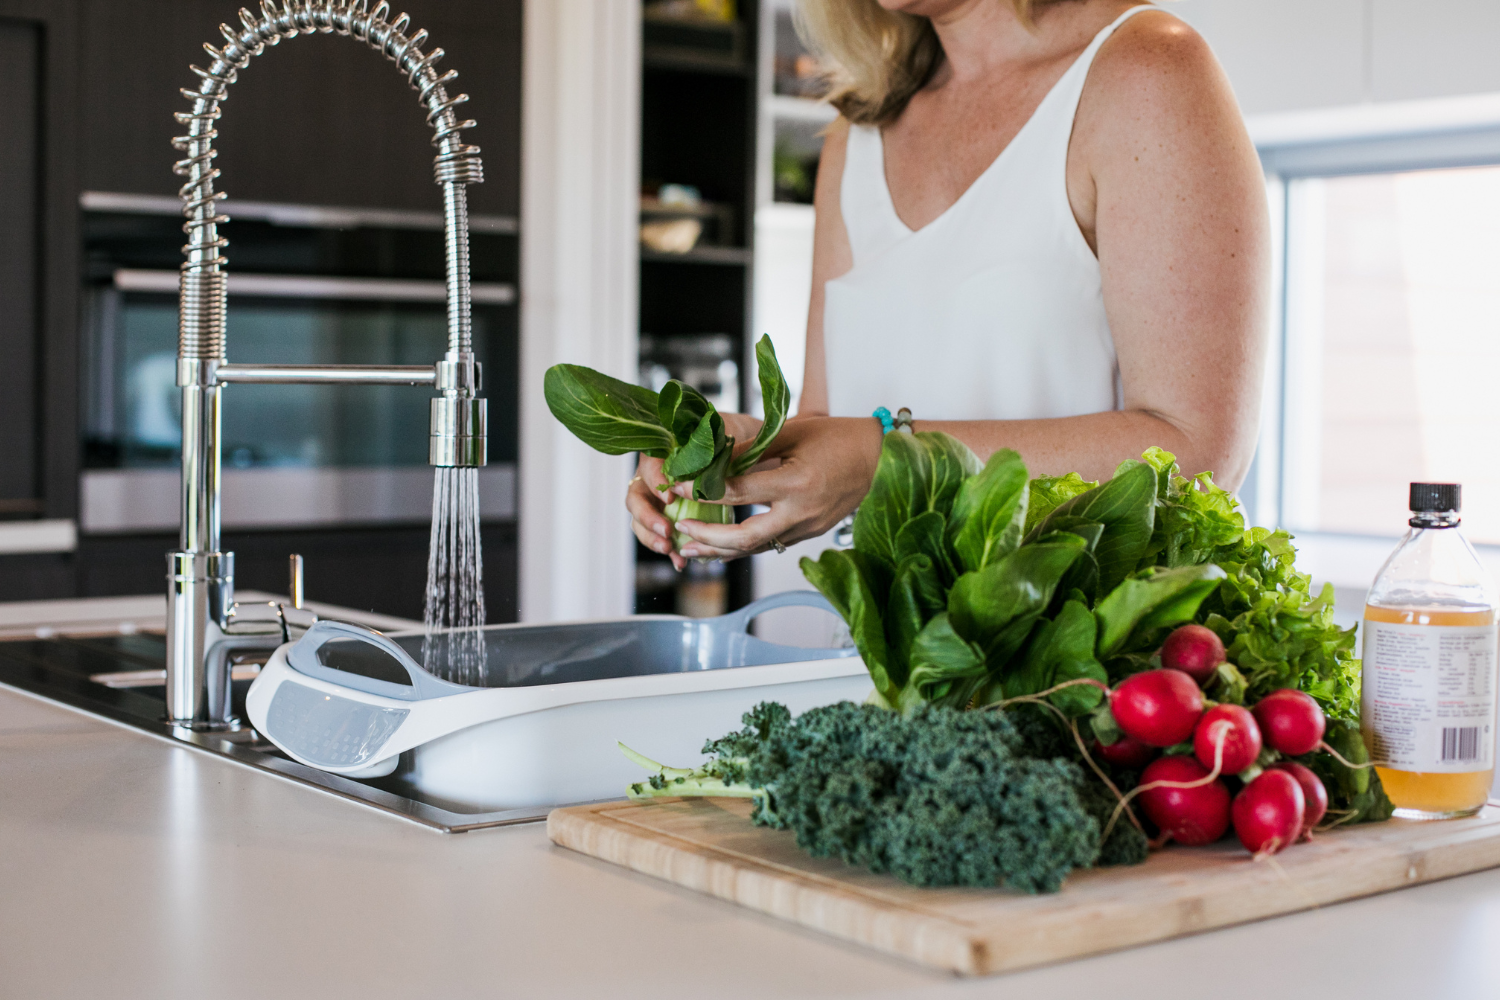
{"x": 453, "y": 648}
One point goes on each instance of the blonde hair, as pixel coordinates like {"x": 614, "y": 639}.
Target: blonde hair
{"x": 877, "y": 58}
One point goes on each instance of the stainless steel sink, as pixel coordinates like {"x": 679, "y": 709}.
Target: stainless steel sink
{"x": 121, "y": 678}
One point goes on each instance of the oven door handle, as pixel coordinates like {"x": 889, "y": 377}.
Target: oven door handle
{"x": 298, "y": 286}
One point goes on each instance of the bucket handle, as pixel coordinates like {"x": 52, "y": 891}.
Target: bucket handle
{"x": 739, "y": 621}
{"x": 303, "y": 657}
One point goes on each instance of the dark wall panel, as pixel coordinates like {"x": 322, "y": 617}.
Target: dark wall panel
{"x": 317, "y": 120}
{"x": 20, "y": 157}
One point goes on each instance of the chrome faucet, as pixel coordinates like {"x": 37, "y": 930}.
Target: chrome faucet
{"x": 204, "y": 624}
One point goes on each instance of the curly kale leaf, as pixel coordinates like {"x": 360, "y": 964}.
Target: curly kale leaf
{"x": 936, "y": 796}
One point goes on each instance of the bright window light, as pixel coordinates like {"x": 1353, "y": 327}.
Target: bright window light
{"x": 1392, "y": 348}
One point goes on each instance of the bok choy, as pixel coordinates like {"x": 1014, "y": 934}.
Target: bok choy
{"x": 677, "y": 425}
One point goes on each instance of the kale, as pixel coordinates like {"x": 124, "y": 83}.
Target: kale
{"x": 935, "y": 796}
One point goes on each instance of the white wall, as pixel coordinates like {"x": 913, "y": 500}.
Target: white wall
{"x": 1288, "y": 55}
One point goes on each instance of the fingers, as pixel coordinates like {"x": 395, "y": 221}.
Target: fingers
{"x": 725, "y": 541}
{"x": 645, "y": 504}
{"x": 763, "y": 487}
{"x": 656, "y": 543}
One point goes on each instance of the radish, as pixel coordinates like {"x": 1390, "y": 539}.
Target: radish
{"x": 1193, "y": 649}
{"x": 1157, "y": 707}
{"x": 1236, "y": 728}
{"x": 1189, "y": 815}
{"x": 1268, "y": 812}
{"x": 1315, "y": 796}
{"x": 1127, "y": 751}
{"x": 1291, "y": 721}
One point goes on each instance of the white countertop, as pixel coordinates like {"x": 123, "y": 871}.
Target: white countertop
{"x": 133, "y": 867}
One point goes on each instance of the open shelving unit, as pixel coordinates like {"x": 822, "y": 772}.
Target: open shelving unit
{"x": 700, "y": 110}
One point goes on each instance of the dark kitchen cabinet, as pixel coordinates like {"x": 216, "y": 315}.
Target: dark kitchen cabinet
{"x": 323, "y": 120}
{"x": 38, "y": 263}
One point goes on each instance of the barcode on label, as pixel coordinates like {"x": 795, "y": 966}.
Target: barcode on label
{"x": 1461, "y": 744}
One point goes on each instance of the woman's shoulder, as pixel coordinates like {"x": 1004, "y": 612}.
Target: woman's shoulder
{"x": 1153, "y": 79}
{"x": 1153, "y": 54}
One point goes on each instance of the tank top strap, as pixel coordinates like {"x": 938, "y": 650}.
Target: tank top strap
{"x": 870, "y": 218}
{"x": 1069, "y": 90}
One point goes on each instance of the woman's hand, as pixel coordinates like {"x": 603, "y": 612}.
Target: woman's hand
{"x": 825, "y": 469}
{"x": 646, "y": 500}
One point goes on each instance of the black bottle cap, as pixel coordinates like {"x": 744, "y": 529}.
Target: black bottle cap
{"x": 1435, "y": 497}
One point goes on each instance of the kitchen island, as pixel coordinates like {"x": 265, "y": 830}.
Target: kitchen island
{"x": 133, "y": 867}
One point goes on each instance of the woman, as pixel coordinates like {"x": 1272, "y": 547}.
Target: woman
{"x": 1040, "y": 226}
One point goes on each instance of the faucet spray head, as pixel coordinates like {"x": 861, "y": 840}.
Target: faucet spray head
{"x": 459, "y": 419}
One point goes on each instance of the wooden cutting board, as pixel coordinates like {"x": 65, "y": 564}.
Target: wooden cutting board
{"x": 709, "y": 845}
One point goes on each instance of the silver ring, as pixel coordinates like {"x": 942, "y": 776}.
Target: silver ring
{"x": 776, "y": 544}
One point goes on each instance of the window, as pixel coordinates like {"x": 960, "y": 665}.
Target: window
{"x": 1392, "y": 347}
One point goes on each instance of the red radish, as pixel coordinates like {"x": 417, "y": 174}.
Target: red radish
{"x": 1157, "y": 707}
{"x": 1193, "y": 649}
{"x": 1268, "y": 812}
{"x": 1291, "y": 721}
{"x": 1190, "y": 815}
{"x": 1241, "y": 738}
{"x": 1127, "y": 751}
{"x": 1315, "y": 796}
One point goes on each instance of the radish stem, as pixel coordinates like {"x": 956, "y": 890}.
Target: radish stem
{"x": 1220, "y": 736}
{"x": 1340, "y": 758}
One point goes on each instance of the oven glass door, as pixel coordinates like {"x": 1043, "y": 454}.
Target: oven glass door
{"x": 306, "y": 286}
{"x": 137, "y": 421}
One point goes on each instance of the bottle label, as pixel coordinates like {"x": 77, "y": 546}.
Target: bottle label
{"x": 1428, "y": 696}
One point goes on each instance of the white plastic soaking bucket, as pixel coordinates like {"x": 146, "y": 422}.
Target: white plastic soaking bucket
{"x": 542, "y": 729}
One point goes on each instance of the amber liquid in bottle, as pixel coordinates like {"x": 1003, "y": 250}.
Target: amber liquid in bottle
{"x": 1434, "y": 794}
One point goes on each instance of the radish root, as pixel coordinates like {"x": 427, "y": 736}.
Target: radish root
{"x": 1340, "y": 758}
{"x": 1072, "y": 724}
{"x": 1220, "y": 735}
{"x": 1051, "y": 690}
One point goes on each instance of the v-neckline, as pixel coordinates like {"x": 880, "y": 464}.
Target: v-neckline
{"x": 885, "y": 182}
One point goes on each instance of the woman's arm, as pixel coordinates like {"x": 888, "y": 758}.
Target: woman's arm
{"x": 1166, "y": 187}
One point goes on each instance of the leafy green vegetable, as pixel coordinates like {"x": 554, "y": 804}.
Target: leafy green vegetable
{"x": 934, "y": 796}
{"x": 940, "y": 660}
{"x": 1047, "y": 493}
{"x": 853, "y": 585}
{"x": 1126, "y": 506}
{"x": 1061, "y": 650}
{"x": 989, "y": 511}
{"x": 1150, "y": 601}
{"x": 917, "y": 594}
{"x": 916, "y": 474}
{"x": 997, "y": 606}
{"x": 677, "y": 425}
{"x": 1004, "y": 587}
{"x": 775, "y": 398}
{"x": 606, "y": 414}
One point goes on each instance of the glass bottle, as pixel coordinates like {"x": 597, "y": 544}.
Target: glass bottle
{"x": 1428, "y": 696}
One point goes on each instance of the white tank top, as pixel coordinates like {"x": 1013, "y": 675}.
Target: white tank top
{"x": 992, "y": 311}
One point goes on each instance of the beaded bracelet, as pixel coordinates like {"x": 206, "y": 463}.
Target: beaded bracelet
{"x": 902, "y": 421}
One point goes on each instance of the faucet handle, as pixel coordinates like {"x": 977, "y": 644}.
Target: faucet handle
{"x": 294, "y": 589}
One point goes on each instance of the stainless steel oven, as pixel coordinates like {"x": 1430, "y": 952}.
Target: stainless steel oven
{"x": 308, "y": 285}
